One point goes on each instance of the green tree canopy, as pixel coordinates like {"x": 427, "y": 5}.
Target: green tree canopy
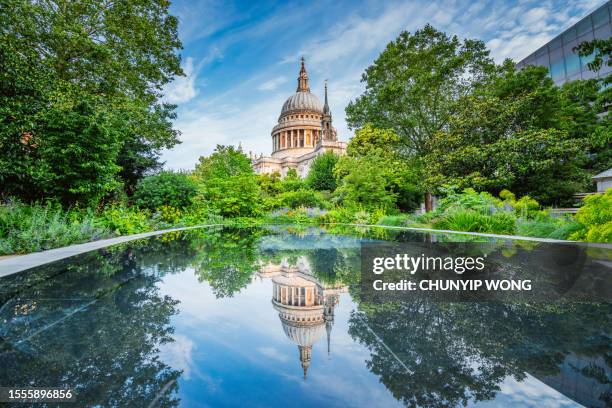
{"x": 321, "y": 175}
{"x": 166, "y": 188}
{"x": 113, "y": 56}
{"x": 226, "y": 161}
{"x": 227, "y": 183}
{"x": 519, "y": 132}
{"x": 374, "y": 174}
{"x": 413, "y": 85}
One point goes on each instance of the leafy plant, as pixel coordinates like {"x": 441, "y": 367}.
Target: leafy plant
{"x": 472, "y": 221}
{"x": 321, "y": 175}
{"x": 301, "y": 198}
{"x": 595, "y": 217}
{"x": 124, "y": 220}
{"x": 165, "y": 189}
{"x": 30, "y": 228}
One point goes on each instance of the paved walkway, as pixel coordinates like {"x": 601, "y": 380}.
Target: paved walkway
{"x": 20, "y": 263}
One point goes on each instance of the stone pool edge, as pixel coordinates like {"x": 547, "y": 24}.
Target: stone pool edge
{"x": 21, "y": 263}
{"x": 480, "y": 234}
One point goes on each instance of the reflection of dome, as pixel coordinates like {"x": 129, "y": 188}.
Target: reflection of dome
{"x": 302, "y": 101}
{"x": 304, "y": 335}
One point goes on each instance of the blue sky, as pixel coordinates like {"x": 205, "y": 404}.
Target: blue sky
{"x": 242, "y": 58}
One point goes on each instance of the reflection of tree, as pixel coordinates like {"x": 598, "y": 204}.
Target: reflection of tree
{"x": 227, "y": 259}
{"x": 95, "y": 328}
{"x": 450, "y": 353}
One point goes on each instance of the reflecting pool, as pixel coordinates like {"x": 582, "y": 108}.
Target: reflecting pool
{"x": 277, "y": 317}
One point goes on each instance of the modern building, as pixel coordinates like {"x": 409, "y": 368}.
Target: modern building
{"x": 558, "y": 54}
{"x": 304, "y": 131}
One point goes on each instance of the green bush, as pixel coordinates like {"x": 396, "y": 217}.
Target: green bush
{"x": 394, "y": 220}
{"x": 468, "y": 199}
{"x": 30, "y": 228}
{"x": 321, "y": 175}
{"x": 546, "y": 227}
{"x": 235, "y": 196}
{"x": 166, "y": 188}
{"x": 473, "y": 221}
{"x": 123, "y": 220}
{"x": 301, "y": 198}
{"x": 595, "y": 217}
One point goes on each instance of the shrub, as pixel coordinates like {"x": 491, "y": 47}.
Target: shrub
{"x": 394, "y": 220}
{"x": 165, "y": 189}
{"x": 236, "y": 196}
{"x": 123, "y": 220}
{"x": 301, "y": 198}
{"x": 321, "y": 175}
{"x": 546, "y": 227}
{"x": 469, "y": 199}
{"x": 227, "y": 185}
{"x": 36, "y": 227}
{"x": 595, "y": 217}
{"x": 473, "y": 221}
{"x": 364, "y": 182}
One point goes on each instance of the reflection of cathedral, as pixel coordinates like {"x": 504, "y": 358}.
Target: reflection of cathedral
{"x": 305, "y": 305}
{"x": 304, "y": 131}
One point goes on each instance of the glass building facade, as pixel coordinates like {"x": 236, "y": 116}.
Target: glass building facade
{"x": 558, "y": 56}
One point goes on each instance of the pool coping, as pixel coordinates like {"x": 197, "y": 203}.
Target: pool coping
{"x": 20, "y": 263}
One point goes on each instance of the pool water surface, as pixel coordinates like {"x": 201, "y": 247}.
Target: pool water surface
{"x": 276, "y": 317}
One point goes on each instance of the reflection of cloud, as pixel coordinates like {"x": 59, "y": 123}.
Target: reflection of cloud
{"x": 273, "y": 353}
{"x": 178, "y": 354}
{"x": 528, "y": 393}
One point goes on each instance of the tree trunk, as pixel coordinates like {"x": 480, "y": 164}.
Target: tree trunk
{"x": 428, "y": 202}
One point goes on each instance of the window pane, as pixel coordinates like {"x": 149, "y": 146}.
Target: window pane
{"x": 543, "y": 61}
{"x": 569, "y": 35}
{"x": 585, "y": 60}
{"x": 584, "y": 26}
{"x": 572, "y": 64}
{"x": 557, "y": 70}
{"x": 601, "y": 16}
{"x": 555, "y": 43}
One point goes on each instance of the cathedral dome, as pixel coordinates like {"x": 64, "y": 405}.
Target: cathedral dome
{"x": 300, "y": 101}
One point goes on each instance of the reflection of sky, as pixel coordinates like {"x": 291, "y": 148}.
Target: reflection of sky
{"x": 528, "y": 393}
{"x": 235, "y": 348}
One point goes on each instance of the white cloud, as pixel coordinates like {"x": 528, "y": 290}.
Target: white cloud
{"x": 182, "y": 89}
{"x": 272, "y": 84}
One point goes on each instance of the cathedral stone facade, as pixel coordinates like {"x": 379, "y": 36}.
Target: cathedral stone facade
{"x": 303, "y": 132}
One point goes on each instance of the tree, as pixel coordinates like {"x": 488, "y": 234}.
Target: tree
{"x": 599, "y": 49}
{"x": 414, "y": 84}
{"x": 227, "y": 183}
{"x": 386, "y": 175}
{"x": 519, "y": 132}
{"x": 362, "y": 181}
{"x": 321, "y": 175}
{"x": 226, "y": 161}
{"x": 166, "y": 188}
{"x": 118, "y": 54}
